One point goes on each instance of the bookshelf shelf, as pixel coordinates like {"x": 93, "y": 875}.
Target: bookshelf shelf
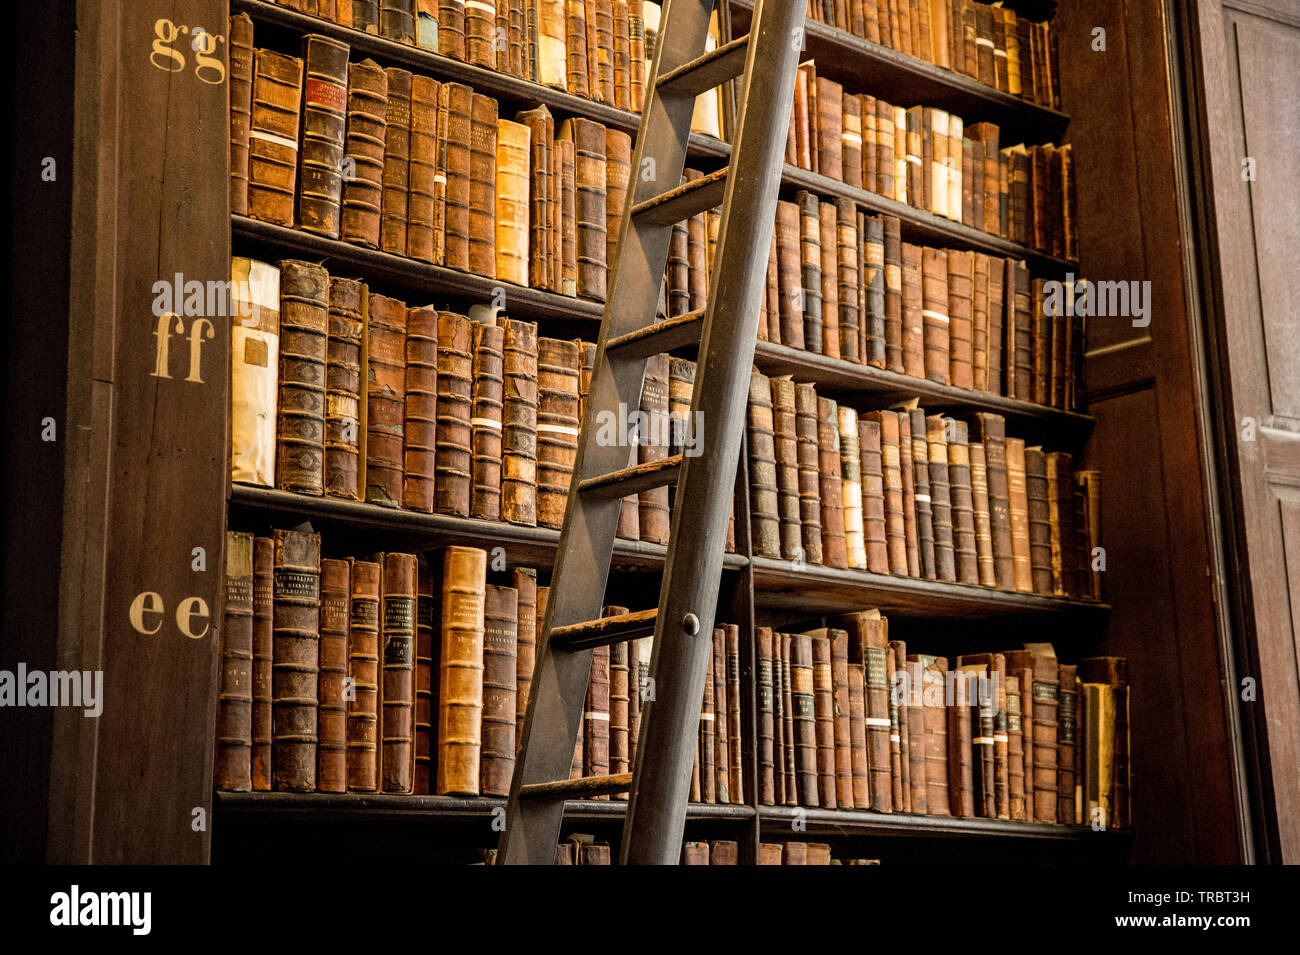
{"x": 907, "y": 80}
{"x": 851, "y": 822}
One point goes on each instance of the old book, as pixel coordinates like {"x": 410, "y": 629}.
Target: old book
{"x": 576, "y": 53}
{"x": 935, "y": 714}
{"x": 917, "y": 732}
{"x": 721, "y": 739}
{"x": 386, "y": 401}
{"x": 363, "y": 670}
{"x": 940, "y": 498}
{"x": 961, "y": 757}
{"x": 519, "y": 424}
{"x": 890, "y": 495}
{"x": 841, "y": 275}
{"x": 830, "y": 128}
{"x": 232, "y": 762}
{"x": 295, "y": 659}
{"x": 254, "y": 371}
{"x": 485, "y": 422}
{"x": 653, "y": 517}
{"x": 804, "y": 718}
{"x": 824, "y": 713}
{"x": 963, "y": 507}
{"x": 397, "y": 20}
{"x": 859, "y": 762}
{"x": 541, "y": 197}
{"x": 427, "y": 602}
{"x": 348, "y": 304}
{"x": 452, "y": 28}
{"x": 874, "y": 339}
{"x": 453, "y": 456}
{"x": 531, "y": 609}
{"x": 834, "y": 534}
{"x": 300, "y": 412}
{"x": 397, "y": 684}
{"x": 460, "y": 691}
{"x": 500, "y": 647}
{"x": 482, "y": 185}
{"x": 781, "y": 792}
{"x": 809, "y": 480}
{"x": 1015, "y": 752}
{"x": 736, "y": 771}
{"x": 960, "y": 367}
{"x": 367, "y": 125}
{"x": 873, "y": 495}
{"x": 426, "y": 24}
{"x": 851, "y": 486}
{"x": 979, "y": 311}
{"x": 936, "y": 329}
{"x": 697, "y": 230}
{"x": 894, "y": 299}
{"x": 618, "y": 171}
{"x": 273, "y": 137}
{"x": 765, "y": 727}
{"x": 907, "y": 473}
{"x": 869, "y": 643}
{"x": 512, "y": 204}
{"x": 589, "y": 182}
{"x": 900, "y": 794}
{"x": 706, "y": 789}
{"x": 810, "y": 258}
{"x": 420, "y": 423}
{"x": 921, "y": 477}
{"x": 324, "y": 109}
{"x": 1060, "y": 507}
{"x": 790, "y": 275}
{"x": 679, "y": 270}
{"x": 480, "y": 32}
{"x": 397, "y": 155}
{"x": 335, "y": 617}
{"x": 1066, "y": 742}
{"x": 992, "y": 433}
{"x": 241, "y": 108}
{"x": 764, "y": 486}
{"x": 850, "y": 134}
{"x": 980, "y": 504}
{"x": 456, "y": 103}
{"x": 1090, "y": 482}
{"x": 1019, "y": 507}
{"x": 1040, "y": 522}
{"x": 913, "y": 312}
{"x": 1043, "y": 697}
{"x": 787, "y": 469}
{"x": 619, "y": 699}
{"x": 557, "y": 426}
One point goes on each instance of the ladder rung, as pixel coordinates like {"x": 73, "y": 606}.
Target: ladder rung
{"x": 705, "y": 72}
{"x": 686, "y": 200}
{"x": 577, "y": 788}
{"x": 678, "y": 332}
{"x": 639, "y": 477}
{"x": 604, "y": 631}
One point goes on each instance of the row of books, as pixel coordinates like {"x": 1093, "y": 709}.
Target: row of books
{"x": 931, "y": 159}
{"x": 986, "y": 41}
{"x": 582, "y": 849}
{"x": 842, "y": 283}
{"x": 900, "y": 492}
{"x": 848, "y": 719}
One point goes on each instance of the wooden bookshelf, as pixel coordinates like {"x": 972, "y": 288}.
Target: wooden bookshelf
{"x": 777, "y": 820}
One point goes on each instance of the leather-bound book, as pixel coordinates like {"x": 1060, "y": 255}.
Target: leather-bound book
{"x": 1059, "y": 361}
{"x": 935, "y": 714}
{"x": 936, "y": 325}
{"x": 332, "y": 717}
{"x": 653, "y": 517}
{"x": 891, "y": 494}
{"x": 979, "y": 311}
{"x": 851, "y": 486}
{"x": 1066, "y": 742}
{"x": 423, "y": 174}
{"x": 765, "y": 525}
{"x": 361, "y": 15}
{"x": 300, "y": 412}
{"x": 618, "y": 170}
{"x": 824, "y": 711}
{"x": 519, "y": 424}
{"x": 698, "y": 252}
{"x": 460, "y": 691}
{"x": 1019, "y": 506}
{"x": 397, "y": 156}
{"x": 426, "y": 24}
{"x": 681, "y": 384}
{"x": 859, "y": 763}
{"x": 386, "y": 402}
{"x": 873, "y": 495}
{"x": 500, "y": 644}
{"x": 273, "y": 137}
{"x": 324, "y": 110}
{"x": 809, "y": 480}
{"x": 707, "y": 747}
{"x": 979, "y": 481}
{"x": 254, "y": 371}
{"x": 619, "y": 693}
{"x": 601, "y": 54}
{"x": 851, "y": 139}
{"x": 804, "y": 717}
{"x": 679, "y": 270}
{"x": 913, "y": 314}
{"x": 1000, "y": 296}
{"x": 940, "y": 498}
{"x": 398, "y": 585}
{"x": 1090, "y": 483}
{"x": 397, "y": 20}
{"x": 769, "y": 325}
{"x": 480, "y": 32}
{"x": 893, "y": 290}
{"x": 810, "y": 270}
{"x": 1041, "y": 362}
{"x": 960, "y": 368}
{"x": 589, "y": 181}
{"x": 721, "y": 739}
{"x": 938, "y": 161}
{"x": 420, "y": 423}
{"x": 781, "y": 792}
{"x": 456, "y": 103}
{"x": 637, "y": 53}
{"x": 899, "y": 751}
{"x": 363, "y": 670}
{"x": 869, "y": 643}
{"x": 241, "y": 108}
{"x": 961, "y": 758}
{"x": 973, "y": 681}
{"x": 695, "y": 853}
{"x": 1060, "y": 506}
{"x": 963, "y": 506}
{"x": 452, "y": 28}
{"x": 874, "y": 339}
{"x": 622, "y": 55}
{"x": 736, "y": 772}
{"x": 295, "y": 660}
{"x": 841, "y": 270}
{"x": 911, "y": 725}
{"x": 787, "y": 468}
{"x": 367, "y": 124}
{"x": 805, "y": 87}
{"x": 867, "y": 108}
{"x": 830, "y": 128}
{"x": 482, "y": 185}
{"x": 907, "y": 474}
{"x": 575, "y": 45}
{"x": 1019, "y": 306}
{"x": 886, "y": 152}
{"x": 992, "y": 434}
{"x": 920, "y": 457}
{"x": 531, "y": 600}
{"x": 485, "y": 422}
{"x": 512, "y": 212}
{"x": 834, "y": 534}
{"x": 790, "y": 275}
{"x": 541, "y": 201}
{"x": 232, "y": 767}
{"x": 1040, "y": 702}
{"x": 1015, "y": 752}
{"x": 1040, "y": 521}
{"x": 427, "y": 602}
{"x": 452, "y": 462}
{"x": 557, "y": 426}
{"x": 765, "y": 725}
{"x": 348, "y": 304}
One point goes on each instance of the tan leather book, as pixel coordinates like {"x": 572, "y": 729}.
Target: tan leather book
{"x": 770, "y": 853}
{"x": 735, "y": 765}
{"x": 1001, "y": 296}
{"x": 386, "y": 402}
{"x": 423, "y": 174}
{"x": 397, "y": 167}
{"x": 482, "y": 185}
{"x": 363, "y": 669}
{"x": 593, "y": 66}
{"x": 992, "y": 433}
{"x": 452, "y": 28}
{"x": 789, "y": 274}
{"x": 882, "y": 451}
{"x": 697, "y": 252}
{"x": 361, "y": 15}
{"x": 300, "y": 412}
{"x": 397, "y": 20}
{"x": 681, "y": 385}
{"x": 295, "y": 660}
{"x": 764, "y": 721}
{"x": 907, "y": 472}
{"x": 769, "y": 320}
{"x": 916, "y": 729}
{"x": 550, "y": 59}
{"x": 1060, "y": 506}
{"x": 557, "y": 426}
{"x": 868, "y": 644}
{"x": 460, "y": 691}
{"x": 851, "y": 140}
{"x": 838, "y": 642}
{"x": 519, "y": 423}
{"x": 456, "y": 102}
{"x": 420, "y": 421}
{"x": 809, "y": 479}
{"x": 962, "y": 767}
{"x": 335, "y": 617}
{"x": 500, "y": 649}
{"x": 868, "y": 107}
{"x": 273, "y": 137}
{"x": 485, "y": 421}
{"x": 787, "y": 468}
{"x": 575, "y": 44}
{"x": 980, "y": 504}
{"x": 619, "y": 700}
{"x": 913, "y": 312}
{"x": 595, "y": 718}
{"x": 453, "y": 447}
{"x": 1019, "y": 503}
{"x": 979, "y": 313}
{"x": 935, "y": 714}
{"x": 1046, "y": 705}
{"x": 859, "y": 764}
{"x": 1044, "y": 318}
{"x": 531, "y": 608}
{"x": 512, "y": 211}
{"x": 851, "y": 487}
{"x": 398, "y": 584}
{"x": 873, "y": 495}
{"x": 1021, "y": 306}
{"x": 1090, "y": 483}
{"x": 427, "y": 603}
{"x": 828, "y": 246}
{"x": 232, "y": 763}
{"x": 679, "y": 269}
{"x": 695, "y": 853}
{"x": 348, "y": 305}
{"x": 810, "y": 269}
{"x": 602, "y": 53}
{"x": 324, "y": 110}
{"x": 765, "y": 525}
{"x": 824, "y": 710}
{"x": 724, "y": 852}
{"x": 588, "y": 140}
{"x": 367, "y": 125}
{"x": 254, "y": 371}
{"x": 834, "y": 531}
{"x": 830, "y": 128}
{"x": 542, "y": 198}
{"x": 721, "y": 741}
{"x": 1015, "y": 752}
{"x": 480, "y": 32}
{"x": 936, "y": 320}
{"x": 241, "y": 108}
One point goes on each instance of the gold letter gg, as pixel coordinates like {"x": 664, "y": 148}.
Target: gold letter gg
{"x": 208, "y": 68}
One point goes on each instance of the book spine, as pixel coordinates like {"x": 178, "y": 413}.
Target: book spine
{"x": 347, "y": 318}
{"x": 809, "y": 479}
{"x": 519, "y": 424}
{"x": 941, "y": 499}
{"x": 500, "y": 649}
{"x": 804, "y": 718}
{"x": 482, "y": 185}
{"x": 619, "y": 698}
{"x": 993, "y": 436}
{"x": 397, "y": 20}
{"x": 924, "y": 501}
{"x": 427, "y": 601}
{"x": 618, "y": 172}
{"x": 722, "y": 741}
{"x": 935, "y": 714}
{"x": 452, "y": 28}
{"x": 324, "y": 111}
{"x": 764, "y": 486}
{"x": 1060, "y": 502}
{"x": 367, "y": 130}
{"x": 232, "y": 769}
{"x": 851, "y": 485}
{"x": 589, "y": 183}
{"x": 273, "y": 137}
{"x": 557, "y": 426}
{"x": 1066, "y": 741}
{"x": 363, "y": 669}
{"x": 810, "y": 258}
{"x": 254, "y": 371}
{"x": 397, "y": 156}
{"x": 453, "y": 456}
{"x": 1019, "y": 507}
{"x": 456, "y": 101}
{"x": 652, "y": 517}
{"x": 485, "y": 422}
{"x": 765, "y": 723}
{"x": 304, "y": 345}
{"x": 295, "y": 658}
{"x": 241, "y": 108}
{"x": 824, "y": 711}
{"x": 963, "y": 504}
{"x": 873, "y": 495}
{"x": 335, "y": 615}
{"x": 874, "y": 652}
{"x": 421, "y": 420}
{"x": 460, "y": 697}
{"x": 480, "y": 32}
{"x": 512, "y": 182}
{"x": 1015, "y": 752}
{"x": 532, "y": 607}
{"x": 900, "y": 783}
{"x": 790, "y": 276}
{"x": 386, "y": 402}
{"x": 397, "y": 684}
{"x": 859, "y": 762}
{"x": 892, "y": 491}
{"x": 787, "y": 469}
{"x": 542, "y": 196}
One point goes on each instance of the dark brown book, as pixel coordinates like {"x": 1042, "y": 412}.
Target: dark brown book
{"x": 851, "y": 140}
{"x": 367, "y": 125}
{"x": 859, "y": 763}
{"x": 764, "y": 486}
{"x": 869, "y": 644}
{"x": 232, "y": 768}
{"x": 787, "y": 469}
{"x": 960, "y": 356}
{"x": 295, "y": 660}
{"x": 1044, "y": 697}
{"x": 397, "y": 20}
{"x": 485, "y": 423}
{"x": 907, "y": 473}
{"x": 241, "y": 109}
{"x": 332, "y": 718}
{"x": 961, "y": 757}
{"x": 273, "y": 137}
{"x": 361, "y": 15}
{"x": 830, "y": 128}
{"x": 1060, "y": 507}
{"x": 873, "y": 495}
{"x": 480, "y": 32}
{"x": 913, "y": 320}
{"x": 619, "y": 699}
{"x": 557, "y": 426}
{"x": 765, "y": 723}
{"x": 1040, "y": 524}
{"x": 992, "y": 434}
{"x": 386, "y": 402}
{"x": 899, "y": 752}
{"x": 809, "y": 479}
{"x": 1015, "y": 752}
{"x": 679, "y": 270}
{"x": 421, "y": 421}
{"x": 781, "y": 786}
{"x": 460, "y": 689}
{"x": 1044, "y": 317}
{"x": 736, "y": 772}
{"x": 427, "y": 603}
{"x": 1019, "y": 506}
{"x": 874, "y": 338}
{"x": 1066, "y": 741}
{"x": 348, "y": 304}
{"x": 618, "y": 173}
{"x": 1090, "y": 482}
{"x": 454, "y": 454}
{"x": 363, "y": 670}
{"x": 921, "y": 493}
{"x": 588, "y": 140}
{"x": 397, "y": 157}
{"x": 824, "y": 711}
{"x": 542, "y": 197}
{"x": 790, "y": 275}
{"x": 793, "y": 789}
{"x": 423, "y": 186}
{"x": 935, "y": 714}
{"x": 500, "y": 647}
{"x": 1018, "y": 333}
{"x": 843, "y": 277}
{"x": 456, "y": 103}
{"x": 810, "y": 269}
{"x": 530, "y": 609}
{"x": 940, "y": 498}
{"x": 706, "y": 754}
{"x": 721, "y": 741}
{"x": 451, "y": 29}
{"x": 519, "y": 424}
{"x": 804, "y": 715}
{"x": 482, "y": 185}
{"x": 304, "y": 346}
{"x": 963, "y": 504}
{"x": 397, "y": 683}
{"x": 918, "y": 737}
{"x": 934, "y": 310}
{"x": 320, "y": 154}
